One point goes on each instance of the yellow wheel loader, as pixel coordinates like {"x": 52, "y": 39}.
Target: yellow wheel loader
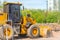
{"x": 14, "y": 23}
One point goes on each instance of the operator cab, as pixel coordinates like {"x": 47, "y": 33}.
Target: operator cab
{"x": 13, "y": 11}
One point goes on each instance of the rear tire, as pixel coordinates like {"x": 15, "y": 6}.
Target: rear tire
{"x": 8, "y": 27}
{"x": 30, "y": 31}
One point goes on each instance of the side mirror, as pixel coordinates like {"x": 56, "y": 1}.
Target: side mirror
{"x": 23, "y": 8}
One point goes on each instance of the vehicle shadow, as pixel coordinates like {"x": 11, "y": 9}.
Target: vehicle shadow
{"x": 19, "y": 37}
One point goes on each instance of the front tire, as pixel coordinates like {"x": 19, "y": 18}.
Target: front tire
{"x": 34, "y": 31}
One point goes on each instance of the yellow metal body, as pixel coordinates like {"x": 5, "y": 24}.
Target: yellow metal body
{"x": 3, "y": 18}
{"x": 23, "y": 25}
{"x": 44, "y": 30}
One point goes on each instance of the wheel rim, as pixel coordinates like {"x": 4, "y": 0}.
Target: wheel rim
{"x": 35, "y": 31}
{"x": 7, "y": 32}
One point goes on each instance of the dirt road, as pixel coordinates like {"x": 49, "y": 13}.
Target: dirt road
{"x": 56, "y": 36}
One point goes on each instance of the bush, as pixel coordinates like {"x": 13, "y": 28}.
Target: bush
{"x": 41, "y": 17}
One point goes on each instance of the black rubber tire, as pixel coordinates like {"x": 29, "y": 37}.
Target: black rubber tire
{"x": 30, "y": 31}
{"x": 8, "y": 26}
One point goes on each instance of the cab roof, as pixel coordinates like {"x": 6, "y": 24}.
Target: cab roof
{"x": 6, "y": 3}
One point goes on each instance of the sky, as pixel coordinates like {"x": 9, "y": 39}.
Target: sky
{"x": 31, "y": 4}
